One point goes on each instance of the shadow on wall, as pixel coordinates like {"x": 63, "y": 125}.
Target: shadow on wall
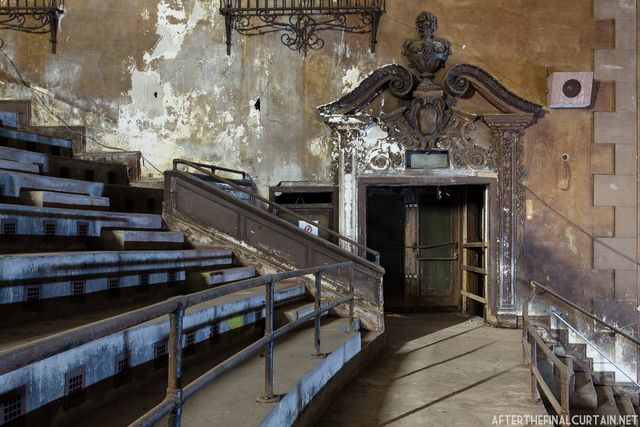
{"x": 558, "y": 254}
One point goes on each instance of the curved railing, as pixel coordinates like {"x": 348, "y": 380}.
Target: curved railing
{"x": 361, "y": 250}
{"x": 171, "y": 406}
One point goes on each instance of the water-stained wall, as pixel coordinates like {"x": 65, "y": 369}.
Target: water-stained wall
{"x": 154, "y": 76}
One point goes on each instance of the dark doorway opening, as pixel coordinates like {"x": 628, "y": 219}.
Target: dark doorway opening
{"x": 433, "y": 244}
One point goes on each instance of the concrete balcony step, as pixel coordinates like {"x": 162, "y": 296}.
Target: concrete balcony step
{"x": 35, "y": 142}
{"x": 67, "y": 313}
{"x": 218, "y": 277}
{"x": 14, "y": 182}
{"x": 141, "y": 239}
{"x": 63, "y": 200}
{"x": 11, "y": 165}
{"x": 21, "y": 220}
{"x": 57, "y": 274}
{"x": 66, "y": 167}
{"x": 293, "y": 312}
{"x": 202, "y": 324}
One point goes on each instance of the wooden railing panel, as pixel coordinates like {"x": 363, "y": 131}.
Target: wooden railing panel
{"x": 192, "y": 200}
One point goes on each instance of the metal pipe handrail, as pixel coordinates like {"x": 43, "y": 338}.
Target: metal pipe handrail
{"x": 277, "y": 207}
{"x": 215, "y": 168}
{"x": 35, "y": 351}
{"x": 530, "y": 349}
{"x": 583, "y": 311}
{"x": 177, "y": 395}
{"x": 559, "y": 317}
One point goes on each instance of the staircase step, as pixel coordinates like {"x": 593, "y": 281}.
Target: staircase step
{"x": 606, "y": 401}
{"x": 296, "y": 311}
{"x": 15, "y": 182}
{"x": 625, "y": 407}
{"x": 604, "y": 378}
{"x": 561, "y": 335}
{"x": 11, "y": 165}
{"x": 583, "y": 365}
{"x": 629, "y": 390}
{"x": 63, "y": 200}
{"x": 540, "y": 322}
{"x": 229, "y": 275}
{"x": 584, "y": 395}
{"x": 141, "y": 239}
{"x": 577, "y": 350}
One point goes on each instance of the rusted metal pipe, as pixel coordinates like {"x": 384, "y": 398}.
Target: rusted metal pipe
{"x": 41, "y": 349}
{"x": 174, "y": 380}
{"x": 268, "y": 395}
{"x": 155, "y": 415}
{"x": 318, "y": 317}
{"x": 353, "y": 299}
{"x": 167, "y": 405}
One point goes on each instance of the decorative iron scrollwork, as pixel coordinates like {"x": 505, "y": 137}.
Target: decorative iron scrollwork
{"x": 32, "y": 16}
{"x": 301, "y": 21}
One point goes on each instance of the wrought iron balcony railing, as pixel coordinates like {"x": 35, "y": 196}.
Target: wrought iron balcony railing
{"x": 32, "y": 16}
{"x": 301, "y": 21}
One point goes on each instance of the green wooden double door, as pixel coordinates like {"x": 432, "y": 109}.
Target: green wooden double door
{"x": 429, "y": 239}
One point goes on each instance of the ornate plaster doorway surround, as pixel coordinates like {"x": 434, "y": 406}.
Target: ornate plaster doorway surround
{"x": 482, "y": 147}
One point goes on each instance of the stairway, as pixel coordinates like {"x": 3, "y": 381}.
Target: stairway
{"x": 591, "y": 392}
{"x": 81, "y": 242}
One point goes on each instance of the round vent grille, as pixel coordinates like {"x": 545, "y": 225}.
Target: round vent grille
{"x": 571, "y": 88}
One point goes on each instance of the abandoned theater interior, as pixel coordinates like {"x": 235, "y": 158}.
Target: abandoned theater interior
{"x": 319, "y": 212}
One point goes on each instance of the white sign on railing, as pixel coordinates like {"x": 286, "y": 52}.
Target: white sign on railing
{"x": 309, "y": 227}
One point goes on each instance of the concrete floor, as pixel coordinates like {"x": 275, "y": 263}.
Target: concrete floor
{"x": 438, "y": 369}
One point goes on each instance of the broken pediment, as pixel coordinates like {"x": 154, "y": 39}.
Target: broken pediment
{"x": 428, "y": 116}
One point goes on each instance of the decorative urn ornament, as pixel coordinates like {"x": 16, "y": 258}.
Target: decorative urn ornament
{"x": 428, "y": 54}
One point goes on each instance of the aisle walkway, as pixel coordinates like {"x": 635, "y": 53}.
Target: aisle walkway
{"x": 438, "y": 370}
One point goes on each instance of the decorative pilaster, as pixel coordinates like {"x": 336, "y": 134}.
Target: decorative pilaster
{"x": 346, "y": 140}
{"x": 507, "y": 133}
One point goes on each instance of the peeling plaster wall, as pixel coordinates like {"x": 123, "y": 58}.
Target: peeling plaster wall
{"x": 154, "y": 76}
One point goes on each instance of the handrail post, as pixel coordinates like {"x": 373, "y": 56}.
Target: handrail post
{"x": 534, "y": 363}
{"x": 564, "y": 395}
{"x": 318, "y": 300}
{"x": 269, "y": 396}
{"x": 353, "y": 298}
{"x": 174, "y": 381}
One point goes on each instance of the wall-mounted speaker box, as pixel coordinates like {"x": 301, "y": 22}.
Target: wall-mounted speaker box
{"x": 570, "y": 89}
